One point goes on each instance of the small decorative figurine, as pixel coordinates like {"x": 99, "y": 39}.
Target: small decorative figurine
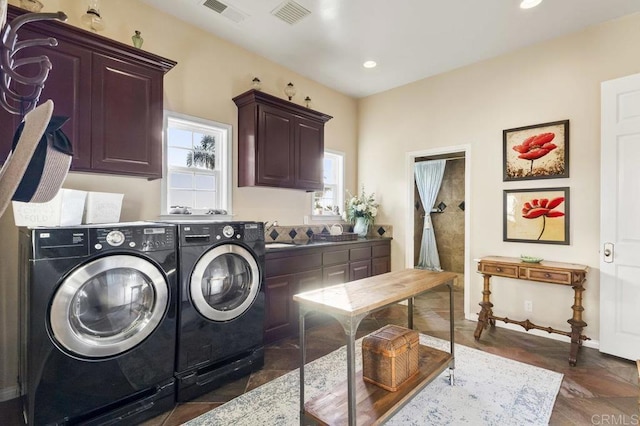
{"x": 137, "y": 39}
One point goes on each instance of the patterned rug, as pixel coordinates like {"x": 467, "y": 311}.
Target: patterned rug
{"x": 489, "y": 390}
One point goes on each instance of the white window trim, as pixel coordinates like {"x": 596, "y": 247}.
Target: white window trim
{"x": 339, "y": 185}
{"x": 226, "y": 163}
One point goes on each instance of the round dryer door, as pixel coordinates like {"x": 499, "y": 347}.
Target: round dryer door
{"x": 108, "y": 306}
{"x": 225, "y": 282}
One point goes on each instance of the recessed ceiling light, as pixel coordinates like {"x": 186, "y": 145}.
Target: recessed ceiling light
{"x": 528, "y": 4}
{"x": 369, "y": 64}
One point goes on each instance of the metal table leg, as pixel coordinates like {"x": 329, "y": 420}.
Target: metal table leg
{"x": 350, "y": 326}
{"x": 410, "y": 313}
{"x": 452, "y": 366}
{"x": 302, "y": 363}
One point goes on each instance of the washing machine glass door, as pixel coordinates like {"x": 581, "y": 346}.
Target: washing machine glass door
{"x": 108, "y": 306}
{"x": 225, "y": 282}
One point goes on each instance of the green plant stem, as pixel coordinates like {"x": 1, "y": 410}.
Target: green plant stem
{"x": 544, "y": 223}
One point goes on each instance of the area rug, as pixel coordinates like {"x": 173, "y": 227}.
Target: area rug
{"x": 489, "y": 390}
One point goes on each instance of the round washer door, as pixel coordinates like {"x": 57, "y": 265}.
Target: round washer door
{"x": 108, "y": 306}
{"x": 225, "y": 282}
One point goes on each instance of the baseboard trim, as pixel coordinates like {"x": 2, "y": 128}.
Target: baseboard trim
{"x": 595, "y": 344}
{"x": 9, "y": 393}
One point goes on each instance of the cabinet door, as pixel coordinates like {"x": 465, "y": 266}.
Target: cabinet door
{"x": 380, "y": 265}
{"x": 309, "y": 154}
{"x": 126, "y": 108}
{"x": 275, "y": 148}
{"x": 281, "y": 318}
{"x": 359, "y": 270}
{"x": 279, "y": 310}
{"x": 68, "y": 86}
{"x": 338, "y": 274}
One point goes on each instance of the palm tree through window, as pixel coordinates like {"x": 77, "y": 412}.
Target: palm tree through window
{"x": 197, "y": 157}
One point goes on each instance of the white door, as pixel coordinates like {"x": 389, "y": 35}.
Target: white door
{"x": 620, "y": 218}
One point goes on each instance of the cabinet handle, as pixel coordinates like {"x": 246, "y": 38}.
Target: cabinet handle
{"x": 547, "y": 275}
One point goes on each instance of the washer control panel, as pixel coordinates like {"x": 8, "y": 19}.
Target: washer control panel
{"x": 143, "y": 238}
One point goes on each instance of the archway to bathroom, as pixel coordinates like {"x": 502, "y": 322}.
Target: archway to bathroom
{"x": 450, "y": 217}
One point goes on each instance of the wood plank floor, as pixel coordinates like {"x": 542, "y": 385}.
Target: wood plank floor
{"x": 600, "y": 390}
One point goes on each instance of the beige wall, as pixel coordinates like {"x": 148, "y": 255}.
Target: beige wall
{"x": 548, "y": 82}
{"x": 552, "y": 81}
{"x": 210, "y": 72}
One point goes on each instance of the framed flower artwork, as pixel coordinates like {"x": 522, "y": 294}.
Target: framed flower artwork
{"x": 540, "y": 151}
{"x": 536, "y": 215}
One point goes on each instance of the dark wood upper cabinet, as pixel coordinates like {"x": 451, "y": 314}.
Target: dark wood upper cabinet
{"x": 280, "y": 144}
{"x": 112, "y": 94}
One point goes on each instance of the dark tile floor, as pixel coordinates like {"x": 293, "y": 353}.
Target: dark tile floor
{"x": 600, "y": 390}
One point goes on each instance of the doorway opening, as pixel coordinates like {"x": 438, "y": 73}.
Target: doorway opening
{"x": 450, "y": 216}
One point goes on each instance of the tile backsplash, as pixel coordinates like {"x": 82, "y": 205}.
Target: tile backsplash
{"x": 305, "y": 232}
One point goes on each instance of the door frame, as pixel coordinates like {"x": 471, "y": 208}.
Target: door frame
{"x": 409, "y": 219}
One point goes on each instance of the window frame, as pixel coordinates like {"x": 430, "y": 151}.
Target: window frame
{"x": 224, "y": 161}
{"x": 339, "y": 189}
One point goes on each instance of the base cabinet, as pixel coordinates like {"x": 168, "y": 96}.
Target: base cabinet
{"x": 296, "y": 270}
{"x": 282, "y": 318}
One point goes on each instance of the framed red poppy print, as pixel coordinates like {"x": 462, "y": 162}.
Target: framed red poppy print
{"x": 540, "y": 151}
{"x": 536, "y": 215}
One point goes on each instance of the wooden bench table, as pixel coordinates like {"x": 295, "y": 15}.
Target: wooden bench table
{"x": 359, "y": 402}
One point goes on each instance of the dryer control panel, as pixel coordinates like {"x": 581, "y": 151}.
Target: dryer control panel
{"x": 205, "y": 234}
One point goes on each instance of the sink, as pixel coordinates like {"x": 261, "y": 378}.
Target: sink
{"x": 278, "y": 245}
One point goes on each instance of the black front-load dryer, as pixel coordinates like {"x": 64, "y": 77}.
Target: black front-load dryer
{"x": 98, "y": 323}
{"x": 221, "y": 311}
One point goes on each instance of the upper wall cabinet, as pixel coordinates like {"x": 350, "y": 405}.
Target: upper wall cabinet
{"x": 111, "y": 92}
{"x": 280, "y": 144}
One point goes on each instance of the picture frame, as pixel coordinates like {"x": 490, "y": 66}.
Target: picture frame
{"x": 538, "y": 215}
{"x": 540, "y": 151}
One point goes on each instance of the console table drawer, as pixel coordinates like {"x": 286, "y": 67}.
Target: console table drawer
{"x": 500, "y": 270}
{"x": 558, "y": 277}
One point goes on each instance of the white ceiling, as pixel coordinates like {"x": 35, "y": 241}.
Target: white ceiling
{"x": 409, "y": 39}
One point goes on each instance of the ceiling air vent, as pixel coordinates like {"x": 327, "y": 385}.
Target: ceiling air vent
{"x": 225, "y": 10}
{"x": 290, "y": 12}
{"x": 215, "y": 5}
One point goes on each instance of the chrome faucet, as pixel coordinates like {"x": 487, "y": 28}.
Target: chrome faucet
{"x": 274, "y": 223}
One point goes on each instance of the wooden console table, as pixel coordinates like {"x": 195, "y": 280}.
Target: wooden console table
{"x": 548, "y": 272}
{"x": 349, "y": 303}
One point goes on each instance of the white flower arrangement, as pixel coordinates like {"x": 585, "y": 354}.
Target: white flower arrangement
{"x": 364, "y": 206}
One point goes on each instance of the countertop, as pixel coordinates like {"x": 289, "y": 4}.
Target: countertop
{"x": 308, "y": 244}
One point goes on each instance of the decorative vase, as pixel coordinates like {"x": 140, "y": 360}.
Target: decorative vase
{"x": 361, "y": 227}
{"x": 137, "y": 39}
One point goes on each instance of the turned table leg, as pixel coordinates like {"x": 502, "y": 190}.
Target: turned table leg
{"x": 484, "y": 317}
{"x": 577, "y": 324}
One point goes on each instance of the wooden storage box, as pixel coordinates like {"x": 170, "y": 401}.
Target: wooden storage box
{"x": 390, "y": 356}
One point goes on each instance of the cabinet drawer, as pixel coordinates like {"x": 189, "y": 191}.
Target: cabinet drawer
{"x": 382, "y": 250}
{"x": 359, "y": 270}
{"x": 558, "y": 277}
{"x": 338, "y": 274}
{"x": 499, "y": 269}
{"x": 333, "y": 257}
{"x": 380, "y": 265}
{"x": 360, "y": 253}
{"x": 292, "y": 264}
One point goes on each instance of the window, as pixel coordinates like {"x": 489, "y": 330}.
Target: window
{"x": 330, "y": 201}
{"x": 197, "y": 165}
